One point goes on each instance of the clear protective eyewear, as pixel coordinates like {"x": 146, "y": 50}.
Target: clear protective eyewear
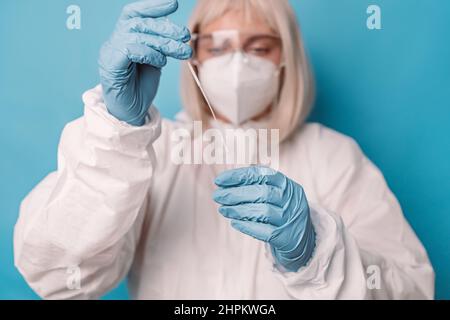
{"x": 225, "y": 42}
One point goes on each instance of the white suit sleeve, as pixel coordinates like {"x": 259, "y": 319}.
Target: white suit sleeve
{"x": 365, "y": 247}
{"x": 77, "y": 230}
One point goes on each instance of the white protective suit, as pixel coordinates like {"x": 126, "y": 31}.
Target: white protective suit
{"x": 111, "y": 211}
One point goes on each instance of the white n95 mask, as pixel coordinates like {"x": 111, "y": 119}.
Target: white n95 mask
{"x": 239, "y": 86}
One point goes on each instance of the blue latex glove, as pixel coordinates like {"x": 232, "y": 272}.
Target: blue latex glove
{"x": 131, "y": 61}
{"x": 268, "y": 206}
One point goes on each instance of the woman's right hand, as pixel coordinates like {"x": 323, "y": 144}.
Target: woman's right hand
{"x": 130, "y": 62}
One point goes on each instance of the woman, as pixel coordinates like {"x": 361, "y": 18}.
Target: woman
{"x": 327, "y": 227}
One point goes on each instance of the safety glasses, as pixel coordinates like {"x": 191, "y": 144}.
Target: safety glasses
{"x": 224, "y": 42}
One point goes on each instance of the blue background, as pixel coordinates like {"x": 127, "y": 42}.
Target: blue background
{"x": 388, "y": 89}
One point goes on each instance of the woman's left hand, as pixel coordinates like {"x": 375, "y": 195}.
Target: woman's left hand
{"x": 270, "y": 207}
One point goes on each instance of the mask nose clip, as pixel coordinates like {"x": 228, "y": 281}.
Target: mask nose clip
{"x": 239, "y": 55}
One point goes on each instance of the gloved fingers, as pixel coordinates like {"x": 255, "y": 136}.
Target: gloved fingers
{"x": 259, "y": 231}
{"x": 249, "y": 194}
{"x": 112, "y": 58}
{"x": 250, "y": 175}
{"x": 142, "y": 54}
{"x": 119, "y": 57}
{"x": 257, "y": 212}
{"x": 291, "y": 236}
{"x": 166, "y": 46}
{"x": 159, "y": 26}
{"x": 149, "y": 9}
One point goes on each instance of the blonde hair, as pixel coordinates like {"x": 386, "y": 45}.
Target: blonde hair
{"x": 297, "y": 85}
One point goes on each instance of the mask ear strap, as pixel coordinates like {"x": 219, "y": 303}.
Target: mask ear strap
{"x": 276, "y": 99}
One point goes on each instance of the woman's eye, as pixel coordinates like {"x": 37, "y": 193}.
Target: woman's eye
{"x": 215, "y": 51}
{"x": 259, "y": 51}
